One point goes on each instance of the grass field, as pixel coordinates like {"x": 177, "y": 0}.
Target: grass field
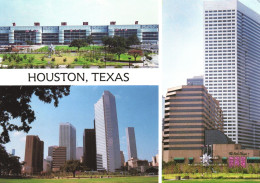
{"x": 103, "y": 180}
{"x": 214, "y": 181}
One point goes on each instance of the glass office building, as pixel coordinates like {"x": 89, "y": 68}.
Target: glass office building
{"x": 232, "y": 63}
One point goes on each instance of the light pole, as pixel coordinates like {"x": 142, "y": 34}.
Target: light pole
{"x": 129, "y": 58}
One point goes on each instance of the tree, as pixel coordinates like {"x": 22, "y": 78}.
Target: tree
{"x": 15, "y": 103}
{"x": 118, "y": 46}
{"x": 135, "y": 53}
{"x": 72, "y": 166}
{"x": 132, "y": 40}
{"x": 78, "y": 43}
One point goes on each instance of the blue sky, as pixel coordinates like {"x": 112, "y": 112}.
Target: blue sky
{"x": 96, "y": 12}
{"x": 137, "y": 106}
{"x": 182, "y": 40}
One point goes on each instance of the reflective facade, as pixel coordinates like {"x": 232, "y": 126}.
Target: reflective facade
{"x": 131, "y": 143}
{"x": 107, "y": 135}
{"x": 67, "y": 138}
{"x": 232, "y": 59}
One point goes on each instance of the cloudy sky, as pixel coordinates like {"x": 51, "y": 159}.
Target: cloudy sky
{"x": 137, "y": 106}
{"x": 96, "y": 12}
{"x": 182, "y": 39}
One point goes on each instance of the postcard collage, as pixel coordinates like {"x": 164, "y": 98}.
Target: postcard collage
{"x": 129, "y": 91}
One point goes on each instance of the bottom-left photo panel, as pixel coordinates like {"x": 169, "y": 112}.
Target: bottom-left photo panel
{"x": 77, "y": 134}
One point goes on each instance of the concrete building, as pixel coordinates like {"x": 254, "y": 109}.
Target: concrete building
{"x": 122, "y": 158}
{"x": 189, "y": 111}
{"x": 64, "y": 33}
{"x": 79, "y": 153}
{"x": 58, "y": 158}
{"x": 89, "y": 149}
{"x": 155, "y": 160}
{"x": 50, "y": 150}
{"x": 67, "y": 138}
{"x": 131, "y": 143}
{"x": 107, "y": 135}
{"x": 33, "y": 155}
{"x": 232, "y": 63}
{"x": 196, "y": 80}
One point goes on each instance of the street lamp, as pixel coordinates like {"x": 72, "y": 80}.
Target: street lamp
{"x": 129, "y": 58}
{"x": 105, "y": 59}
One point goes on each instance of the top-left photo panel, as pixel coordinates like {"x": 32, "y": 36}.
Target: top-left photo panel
{"x": 79, "y": 34}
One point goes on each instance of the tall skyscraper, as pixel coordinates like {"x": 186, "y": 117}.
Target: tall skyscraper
{"x": 68, "y": 139}
{"x": 33, "y": 155}
{"x": 13, "y": 152}
{"x": 189, "y": 111}
{"x": 89, "y": 149}
{"x": 232, "y": 63}
{"x": 107, "y": 135}
{"x": 131, "y": 143}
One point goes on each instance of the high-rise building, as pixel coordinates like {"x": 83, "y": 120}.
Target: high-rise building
{"x": 232, "y": 63}
{"x": 50, "y": 150}
{"x": 13, "y": 152}
{"x": 33, "y": 155}
{"x": 89, "y": 149}
{"x": 107, "y": 135}
{"x": 131, "y": 143}
{"x": 67, "y": 139}
{"x": 122, "y": 158}
{"x": 196, "y": 80}
{"x": 58, "y": 158}
{"x": 189, "y": 111}
{"x": 79, "y": 153}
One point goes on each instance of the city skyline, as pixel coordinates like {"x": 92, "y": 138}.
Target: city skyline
{"x": 182, "y": 40}
{"x": 46, "y": 115}
{"x": 49, "y": 12}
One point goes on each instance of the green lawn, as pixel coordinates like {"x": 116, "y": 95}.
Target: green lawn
{"x": 214, "y": 181}
{"x": 104, "y": 180}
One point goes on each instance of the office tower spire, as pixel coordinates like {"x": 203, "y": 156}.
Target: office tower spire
{"x": 107, "y": 135}
{"x": 232, "y": 63}
{"x": 68, "y": 139}
{"x": 131, "y": 143}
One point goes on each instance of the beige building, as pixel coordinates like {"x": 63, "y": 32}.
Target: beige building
{"x": 189, "y": 111}
{"x": 58, "y": 158}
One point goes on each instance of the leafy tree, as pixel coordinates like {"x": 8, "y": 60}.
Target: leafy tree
{"x": 72, "y": 166}
{"x": 90, "y": 40}
{"x": 78, "y": 43}
{"x": 132, "y": 40}
{"x": 135, "y": 53}
{"x": 118, "y": 46}
{"x": 15, "y": 103}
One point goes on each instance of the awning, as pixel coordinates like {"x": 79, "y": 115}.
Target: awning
{"x": 253, "y": 158}
{"x": 178, "y": 158}
{"x": 224, "y": 158}
{"x": 190, "y": 158}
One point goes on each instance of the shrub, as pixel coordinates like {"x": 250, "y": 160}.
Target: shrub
{"x": 24, "y": 57}
{"x": 42, "y": 59}
{"x": 53, "y": 59}
{"x": 76, "y": 59}
{"x": 86, "y": 66}
{"x": 118, "y": 66}
{"x": 137, "y": 66}
{"x": 101, "y": 66}
{"x": 43, "y": 66}
{"x": 65, "y": 59}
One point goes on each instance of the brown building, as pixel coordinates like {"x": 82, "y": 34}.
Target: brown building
{"x": 33, "y": 155}
{"x": 189, "y": 112}
{"x": 58, "y": 158}
{"x": 89, "y": 149}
